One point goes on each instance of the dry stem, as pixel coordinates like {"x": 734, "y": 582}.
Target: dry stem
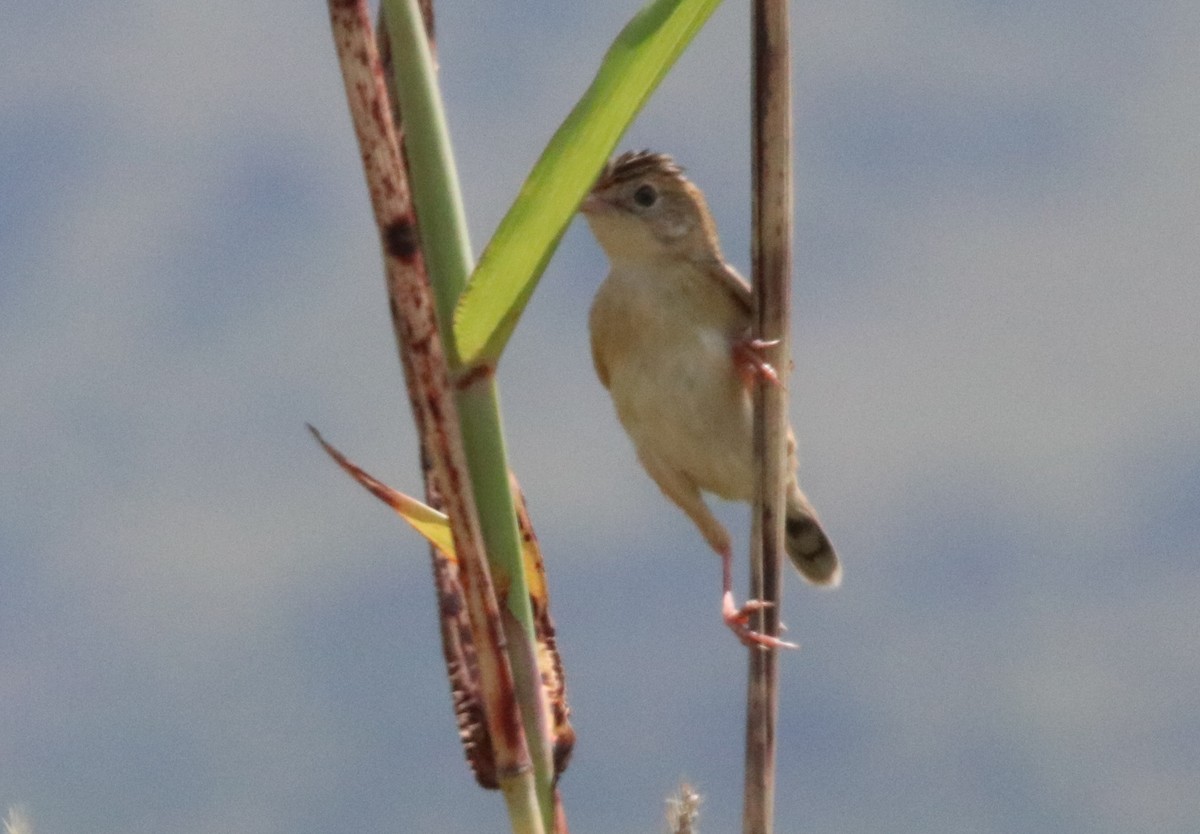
{"x": 772, "y": 235}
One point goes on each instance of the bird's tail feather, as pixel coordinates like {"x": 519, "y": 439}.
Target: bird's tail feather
{"x": 807, "y": 544}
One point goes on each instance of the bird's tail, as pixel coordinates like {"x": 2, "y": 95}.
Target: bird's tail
{"x": 807, "y": 544}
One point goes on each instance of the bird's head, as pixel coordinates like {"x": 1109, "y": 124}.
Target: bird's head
{"x": 642, "y": 206}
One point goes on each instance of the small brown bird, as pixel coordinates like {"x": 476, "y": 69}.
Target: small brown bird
{"x": 671, "y": 341}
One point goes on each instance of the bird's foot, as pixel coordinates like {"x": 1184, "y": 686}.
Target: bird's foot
{"x": 738, "y": 620}
{"x": 748, "y": 357}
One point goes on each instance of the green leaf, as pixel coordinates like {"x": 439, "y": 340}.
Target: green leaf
{"x": 514, "y": 259}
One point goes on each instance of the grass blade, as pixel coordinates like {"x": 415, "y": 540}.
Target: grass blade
{"x": 518, "y": 252}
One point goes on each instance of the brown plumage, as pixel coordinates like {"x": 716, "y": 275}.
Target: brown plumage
{"x": 670, "y": 333}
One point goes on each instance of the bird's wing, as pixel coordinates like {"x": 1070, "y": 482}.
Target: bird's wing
{"x": 598, "y": 362}
{"x": 737, "y": 286}
{"x": 595, "y": 326}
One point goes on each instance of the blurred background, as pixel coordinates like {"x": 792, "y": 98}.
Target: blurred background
{"x": 206, "y": 627}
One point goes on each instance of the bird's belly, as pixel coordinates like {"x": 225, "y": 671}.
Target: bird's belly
{"x": 683, "y": 403}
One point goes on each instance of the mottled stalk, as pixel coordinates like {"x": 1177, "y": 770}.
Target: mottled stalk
{"x": 414, "y": 315}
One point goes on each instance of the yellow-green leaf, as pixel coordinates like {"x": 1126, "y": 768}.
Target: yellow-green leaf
{"x": 435, "y": 526}
{"x": 514, "y": 259}
{"x": 427, "y": 521}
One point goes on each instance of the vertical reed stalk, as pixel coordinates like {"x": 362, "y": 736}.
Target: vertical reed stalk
{"x": 414, "y": 314}
{"x": 772, "y": 247}
{"x": 444, "y": 236}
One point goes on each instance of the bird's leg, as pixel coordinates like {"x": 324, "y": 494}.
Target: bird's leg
{"x": 748, "y": 359}
{"x": 738, "y": 619}
{"x": 686, "y": 495}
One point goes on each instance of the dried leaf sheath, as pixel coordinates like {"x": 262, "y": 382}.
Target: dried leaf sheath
{"x": 459, "y": 650}
{"x": 415, "y": 321}
{"x": 554, "y": 681}
{"x": 462, "y": 669}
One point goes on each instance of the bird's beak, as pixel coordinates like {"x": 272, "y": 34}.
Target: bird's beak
{"x": 594, "y": 204}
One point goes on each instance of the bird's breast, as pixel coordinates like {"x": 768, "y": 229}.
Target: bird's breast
{"x": 669, "y": 366}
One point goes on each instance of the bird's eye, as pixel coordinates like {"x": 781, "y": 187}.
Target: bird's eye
{"x": 646, "y": 196}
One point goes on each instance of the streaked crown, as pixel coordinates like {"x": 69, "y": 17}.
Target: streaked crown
{"x": 636, "y": 165}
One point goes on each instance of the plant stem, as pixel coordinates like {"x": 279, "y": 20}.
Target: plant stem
{"x": 772, "y": 246}
{"x": 417, "y": 327}
{"x": 448, "y": 252}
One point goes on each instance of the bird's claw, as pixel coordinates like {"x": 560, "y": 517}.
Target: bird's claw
{"x": 738, "y": 620}
{"x": 747, "y": 355}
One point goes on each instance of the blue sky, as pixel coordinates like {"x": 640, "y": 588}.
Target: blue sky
{"x": 204, "y": 626}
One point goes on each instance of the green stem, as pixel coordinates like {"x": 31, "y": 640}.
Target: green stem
{"x": 447, "y": 251}
{"x": 436, "y": 192}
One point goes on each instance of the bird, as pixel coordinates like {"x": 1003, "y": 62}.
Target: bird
{"x": 671, "y": 339}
